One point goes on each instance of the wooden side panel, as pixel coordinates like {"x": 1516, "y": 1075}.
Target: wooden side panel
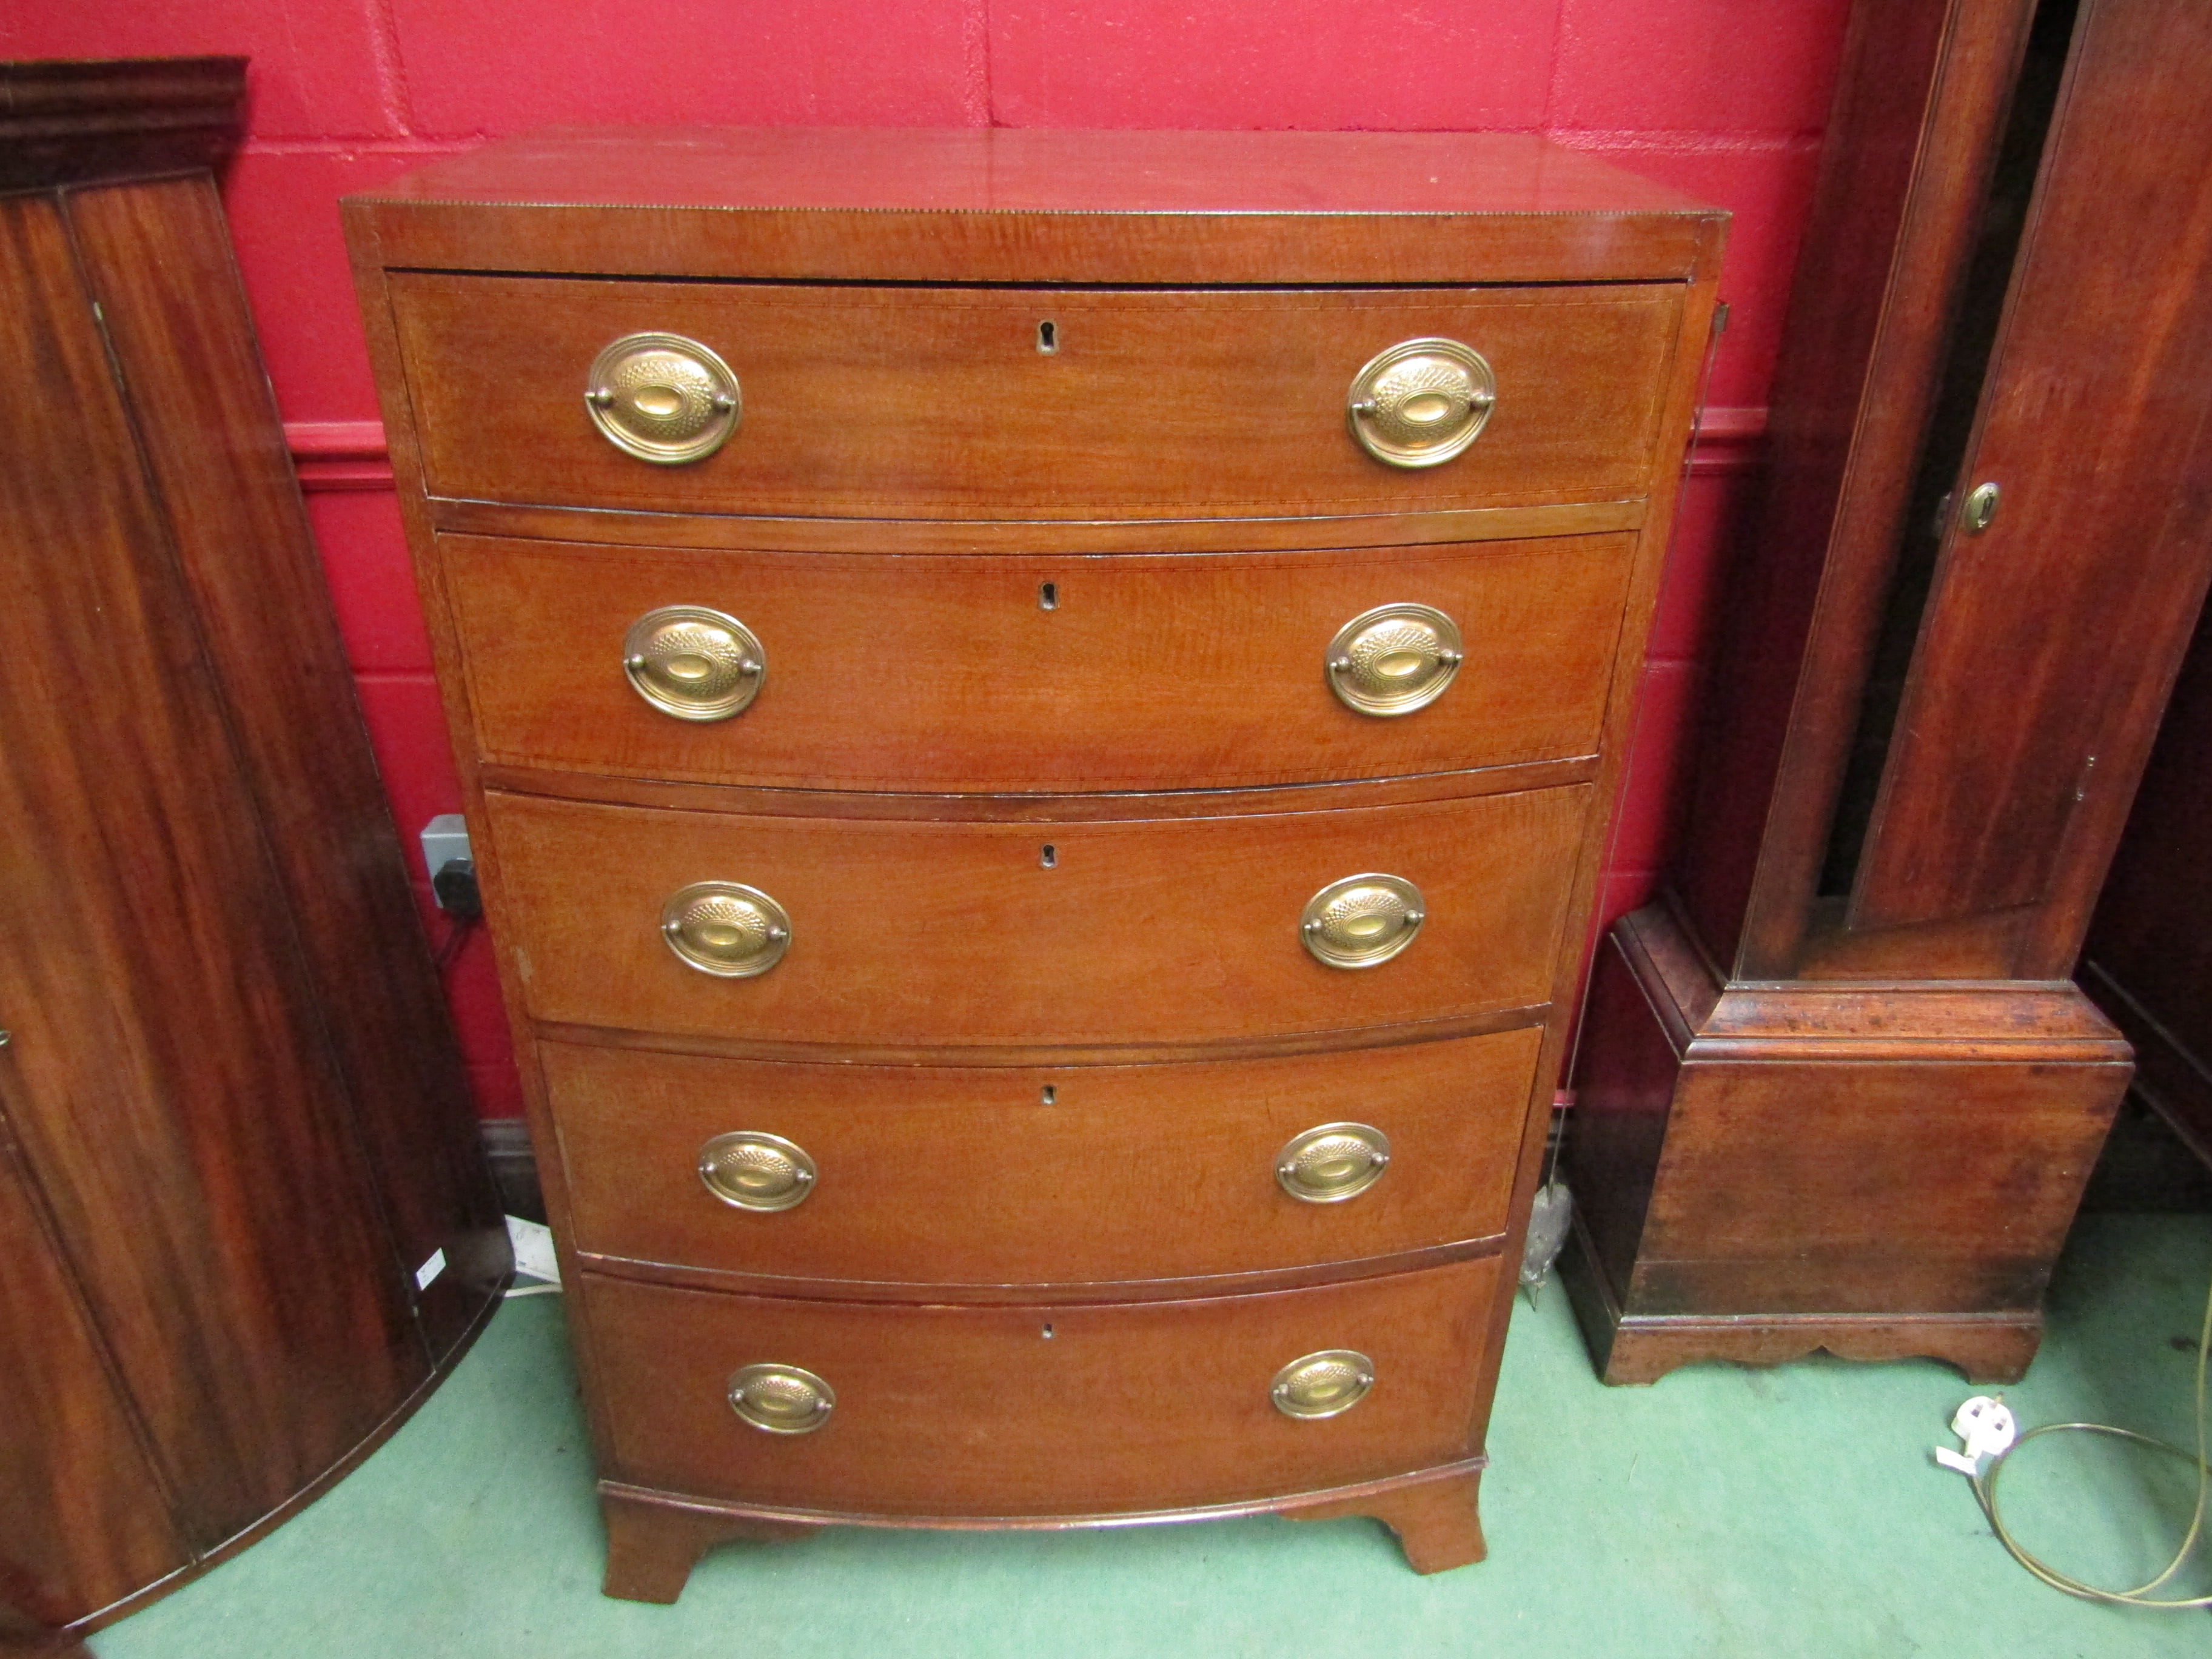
{"x": 920, "y": 674}
{"x": 157, "y": 257}
{"x": 889, "y": 402}
{"x": 1624, "y": 1086}
{"x": 1054, "y": 1410}
{"x": 173, "y": 1095}
{"x": 83, "y": 1520}
{"x": 1919, "y": 113}
{"x": 1898, "y": 1185}
{"x": 954, "y": 935}
{"x": 2052, "y": 638}
{"x": 2149, "y": 953}
{"x": 962, "y": 1177}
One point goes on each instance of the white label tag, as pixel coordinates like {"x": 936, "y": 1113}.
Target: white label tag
{"x": 428, "y": 1272}
{"x": 533, "y": 1250}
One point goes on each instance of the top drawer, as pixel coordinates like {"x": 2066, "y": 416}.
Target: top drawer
{"x": 874, "y": 402}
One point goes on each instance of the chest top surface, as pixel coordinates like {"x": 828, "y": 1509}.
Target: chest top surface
{"x": 1003, "y": 204}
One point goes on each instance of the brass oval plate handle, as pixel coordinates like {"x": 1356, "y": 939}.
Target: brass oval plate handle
{"x": 1394, "y": 659}
{"x": 1324, "y": 1384}
{"x": 1979, "y": 510}
{"x": 748, "y": 1170}
{"x": 1362, "y": 921}
{"x": 782, "y": 1399}
{"x": 693, "y": 663}
{"x": 1421, "y": 403}
{"x": 1332, "y": 1162}
{"x": 725, "y": 928}
{"x": 663, "y": 398}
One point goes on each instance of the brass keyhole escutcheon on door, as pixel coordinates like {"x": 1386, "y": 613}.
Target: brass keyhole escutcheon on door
{"x": 1979, "y": 510}
{"x": 782, "y": 1399}
{"x": 693, "y": 663}
{"x": 663, "y": 398}
{"x": 1333, "y": 1162}
{"x": 1361, "y": 920}
{"x": 1421, "y": 403}
{"x": 1324, "y": 1384}
{"x": 1394, "y": 660}
{"x": 725, "y": 928}
{"x": 748, "y": 1170}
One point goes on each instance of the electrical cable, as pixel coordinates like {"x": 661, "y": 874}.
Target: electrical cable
{"x": 1986, "y": 1489}
{"x": 458, "y": 934}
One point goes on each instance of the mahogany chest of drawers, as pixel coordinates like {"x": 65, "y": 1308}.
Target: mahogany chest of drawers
{"x": 1038, "y": 710}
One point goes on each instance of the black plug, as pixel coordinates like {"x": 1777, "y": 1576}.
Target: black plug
{"x": 455, "y": 886}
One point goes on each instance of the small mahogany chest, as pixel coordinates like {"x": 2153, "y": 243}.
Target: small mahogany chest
{"x": 1037, "y": 710}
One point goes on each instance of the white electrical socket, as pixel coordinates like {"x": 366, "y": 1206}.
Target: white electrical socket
{"x": 445, "y": 838}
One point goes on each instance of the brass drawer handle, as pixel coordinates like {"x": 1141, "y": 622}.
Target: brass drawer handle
{"x": 748, "y": 1170}
{"x": 693, "y": 663}
{"x": 1394, "y": 658}
{"x": 1333, "y": 1162}
{"x": 1324, "y": 1384}
{"x": 663, "y": 398}
{"x": 782, "y": 1399}
{"x": 1421, "y": 402}
{"x": 1362, "y": 921}
{"x": 725, "y": 928}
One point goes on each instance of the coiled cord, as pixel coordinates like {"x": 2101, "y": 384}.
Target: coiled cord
{"x": 1986, "y": 1489}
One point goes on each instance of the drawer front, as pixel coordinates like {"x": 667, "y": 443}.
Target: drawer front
{"x": 1021, "y": 673}
{"x": 967, "y": 1176}
{"x": 937, "y": 403}
{"x": 942, "y": 935}
{"x": 1004, "y": 1411}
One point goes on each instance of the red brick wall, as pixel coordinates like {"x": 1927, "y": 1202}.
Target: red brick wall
{"x": 1723, "y": 98}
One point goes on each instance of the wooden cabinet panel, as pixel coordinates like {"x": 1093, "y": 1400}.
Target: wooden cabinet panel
{"x": 157, "y": 257}
{"x": 1004, "y": 1411}
{"x": 956, "y": 1177}
{"x": 176, "y": 1011}
{"x": 233, "y": 1125}
{"x": 83, "y": 1519}
{"x": 2050, "y": 640}
{"x": 874, "y": 402}
{"x": 958, "y": 935}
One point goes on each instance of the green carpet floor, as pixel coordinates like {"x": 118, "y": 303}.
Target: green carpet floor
{"x": 1722, "y": 1512}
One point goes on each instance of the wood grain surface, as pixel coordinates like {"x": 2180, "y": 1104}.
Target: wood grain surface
{"x": 88, "y": 1519}
{"x": 157, "y": 256}
{"x": 939, "y": 1179}
{"x": 896, "y": 402}
{"x": 1005, "y": 204}
{"x": 153, "y": 990}
{"x": 1915, "y": 131}
{"x": 232, "y": 1122}
{"x": 952, "y": 934}
{"x": 2023, "y": 732}
{"x": 949, "y": 675}
{"x": 944, "y": 1410}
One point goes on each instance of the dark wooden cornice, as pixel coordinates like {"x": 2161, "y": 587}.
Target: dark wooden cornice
{"x": 70, "y": 123}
